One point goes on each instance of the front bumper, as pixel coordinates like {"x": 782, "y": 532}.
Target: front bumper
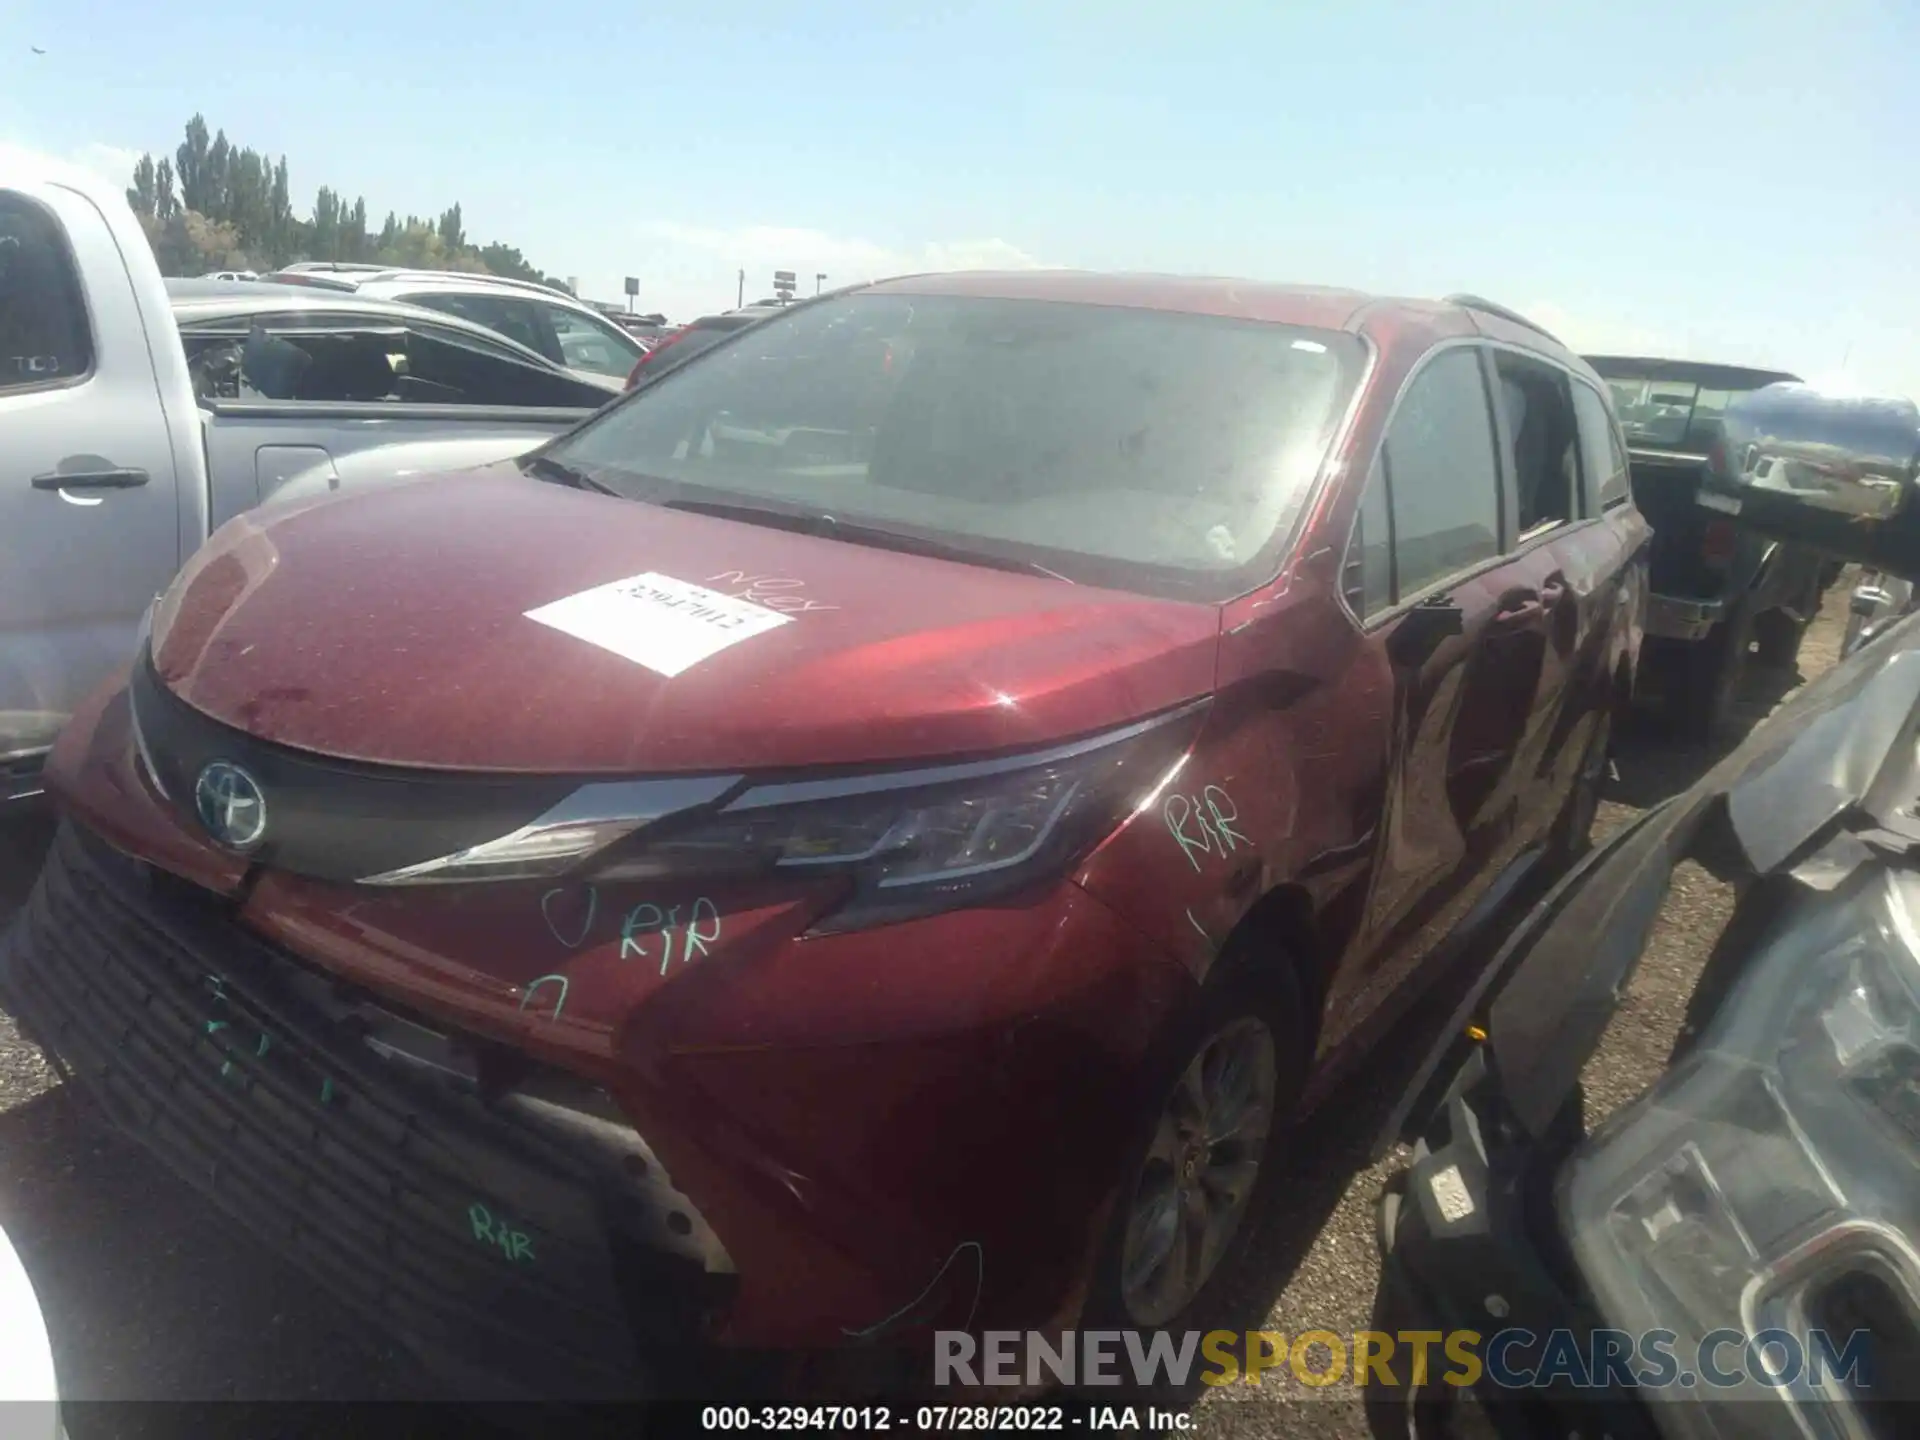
{"x": 498, "y": 1254}
{"x": 1682, "y": 617}
{"x": 881, "y": 1132}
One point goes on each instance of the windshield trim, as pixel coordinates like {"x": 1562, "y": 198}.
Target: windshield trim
{"x": 1205, "y": 587}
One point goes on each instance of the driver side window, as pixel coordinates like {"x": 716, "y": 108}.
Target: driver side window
{"x": 1367, "y": 577}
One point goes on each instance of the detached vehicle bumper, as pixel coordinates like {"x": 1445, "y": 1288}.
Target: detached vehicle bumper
{"x": 797, "y": 1146}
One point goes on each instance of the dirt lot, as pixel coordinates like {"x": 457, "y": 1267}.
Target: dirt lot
{"x": 149, "y": 1296}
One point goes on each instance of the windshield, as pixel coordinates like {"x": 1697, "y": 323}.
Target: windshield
{"x": 1151, "y": 450}
{"x": 1669, "y": 414}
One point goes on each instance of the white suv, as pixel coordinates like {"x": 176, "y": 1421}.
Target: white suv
{"x": 548, "y": 321}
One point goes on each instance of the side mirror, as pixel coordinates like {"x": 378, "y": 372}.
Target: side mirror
{"x": 1839, "y": 473}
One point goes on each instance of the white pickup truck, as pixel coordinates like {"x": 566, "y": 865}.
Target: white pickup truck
{"x": 118, "y": 457}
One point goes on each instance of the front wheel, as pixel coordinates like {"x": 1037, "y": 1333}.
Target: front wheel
{"x": 1777, "y": 638}
{"x": 1200, "y": 1173}
{"x": 1854, "y": 633}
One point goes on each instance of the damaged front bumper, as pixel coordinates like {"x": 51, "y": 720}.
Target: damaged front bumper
{"x": 527, "y": 1246}
{"x": 836, "y": 1157}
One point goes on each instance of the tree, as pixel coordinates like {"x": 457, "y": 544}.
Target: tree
{"x": 355, "y": 244}
{"x": 325, "y": 241}
{"x": 219, "y": 205}
{"x": 191, "y": 165}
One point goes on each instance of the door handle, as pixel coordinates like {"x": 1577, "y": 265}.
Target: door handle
{"x": 1518, "y": 605}
{"x": 90, "y": 480}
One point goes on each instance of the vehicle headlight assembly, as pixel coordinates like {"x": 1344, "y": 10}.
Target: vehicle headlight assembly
{"x": 907, "y": 841}
{"x": 1769, "y": 1185}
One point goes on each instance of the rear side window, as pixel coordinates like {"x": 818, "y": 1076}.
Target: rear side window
{"x": 1543, "y": 446}
{"x": 44, "y": 336}
{"x": 515, "y": 319}
{"x": 1606, "y": 462}
{"x": 1442, "y": 475}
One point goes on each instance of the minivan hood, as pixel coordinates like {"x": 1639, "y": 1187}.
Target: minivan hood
{"x": 392, "y": 627}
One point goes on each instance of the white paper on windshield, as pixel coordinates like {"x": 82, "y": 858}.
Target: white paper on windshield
{"x": 657, "y": 621}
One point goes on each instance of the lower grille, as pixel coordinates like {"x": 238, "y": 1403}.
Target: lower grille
{"x": 474, "y": 1240}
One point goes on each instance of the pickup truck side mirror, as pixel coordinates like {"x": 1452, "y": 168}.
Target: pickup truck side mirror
{"x": 1836, "y": 472}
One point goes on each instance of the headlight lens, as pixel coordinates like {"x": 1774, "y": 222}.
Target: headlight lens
{"x": 913, "y": 842}
{"x": 908, "y": 841}
{"x": 1778, "y": 1162}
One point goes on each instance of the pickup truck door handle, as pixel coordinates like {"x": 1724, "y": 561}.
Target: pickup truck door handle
{"x": 90, "y": 480}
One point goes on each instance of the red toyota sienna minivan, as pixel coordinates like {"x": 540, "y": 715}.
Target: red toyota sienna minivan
{"x": 885, "y": 828}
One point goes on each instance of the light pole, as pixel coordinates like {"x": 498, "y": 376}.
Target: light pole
{"x": 741, "y": 298}
{"x": 818, "y": 280}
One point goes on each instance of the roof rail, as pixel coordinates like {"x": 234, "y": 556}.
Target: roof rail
{"x": 404, "y": 272}
{"x": 304, "y": 267}
{"x": 1488, "y": 307}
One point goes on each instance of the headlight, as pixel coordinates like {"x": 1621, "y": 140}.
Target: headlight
{"x": 906, "y": 841}
{"x": 1771, "y": 1181}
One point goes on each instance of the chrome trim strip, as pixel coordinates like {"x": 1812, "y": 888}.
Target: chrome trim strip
{"x": 629, "y": 803}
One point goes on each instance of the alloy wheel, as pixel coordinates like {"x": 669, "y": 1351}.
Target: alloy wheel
{"x": 1194, "y": 1189}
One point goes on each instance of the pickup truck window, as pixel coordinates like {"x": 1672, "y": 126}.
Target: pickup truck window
{"x": 1669, "y": 414}
{"x": 321, "y": 359}
{"x": 44, "y": 335}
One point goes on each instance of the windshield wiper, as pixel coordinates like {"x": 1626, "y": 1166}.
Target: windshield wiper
{"x": 547, "y": 468}
{"x": 830, "y": 528}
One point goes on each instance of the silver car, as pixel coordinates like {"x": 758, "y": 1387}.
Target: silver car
{"x": 547, "y": 321}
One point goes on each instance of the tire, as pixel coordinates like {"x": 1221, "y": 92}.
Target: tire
{"x": 1856, "y": 628}
{"x": 1708, "y": 683}
{"x": 1777, "y": 636}
{"x": 1245, "y": 993}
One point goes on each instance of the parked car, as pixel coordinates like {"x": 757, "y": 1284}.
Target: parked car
{"x": 546, "y": 321}
{"x": 231, "y": 275}
{"x": 114, "y": 468}
{"x": 678, "y": 346}
{"x": 886, "y": 826}
{"x": 1722, "y": 594}
{"x": 1764, "y": 1179}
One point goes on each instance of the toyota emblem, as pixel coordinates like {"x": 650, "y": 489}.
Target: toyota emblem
{"x": 231, "y": 806}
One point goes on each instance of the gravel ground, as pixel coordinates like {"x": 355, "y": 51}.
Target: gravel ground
{"x": 148, "y": 1296}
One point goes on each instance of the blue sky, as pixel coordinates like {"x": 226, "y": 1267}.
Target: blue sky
{"x": 1730, "y": 181}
